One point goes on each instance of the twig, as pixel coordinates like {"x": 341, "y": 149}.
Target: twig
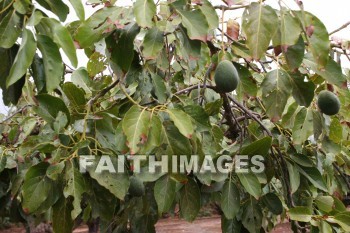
{"x": 231, "y": 120}
{"x": 207, "y": 74}
{"x": 251, "y": 115}
{"x": 342, "y": 175}
{"x": 230, "y": 8}
{"x": 103, "y": 92}
{"x": 15, "y": 113}
{"x": 188, "y": 89}
{"x": 340, "y": 28}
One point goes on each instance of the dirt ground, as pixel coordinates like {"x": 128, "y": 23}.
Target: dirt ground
{"x": 176, "y": 225}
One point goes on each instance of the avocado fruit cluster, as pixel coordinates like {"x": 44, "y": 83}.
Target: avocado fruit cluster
{"x": 328, "y": 103}
{"x": 226, "y": 77}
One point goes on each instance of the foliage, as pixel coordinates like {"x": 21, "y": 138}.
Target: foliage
{"x": 148, "y": 89}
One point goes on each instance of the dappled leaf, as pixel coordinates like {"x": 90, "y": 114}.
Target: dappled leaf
{"x": 259, "y": 26}
{"x": 144, "y": 10}
{"x": 135, "y": 126}
{"x": 275, "y": 92}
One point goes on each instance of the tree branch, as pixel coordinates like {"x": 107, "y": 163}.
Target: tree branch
{"x": 189, "y": 89}
{"x": 230, "y": 8}
{"x": 15, "y": 113}
{"x": 103, "y": 92}
{"x": 340, "y": 28}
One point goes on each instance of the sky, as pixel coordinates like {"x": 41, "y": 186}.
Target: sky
{"x": 332, "y": 13}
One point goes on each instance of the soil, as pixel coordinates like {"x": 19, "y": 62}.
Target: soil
{"x": 176, "y": 225}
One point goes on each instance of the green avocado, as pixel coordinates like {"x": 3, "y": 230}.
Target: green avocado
{"x": 328, "y": 103}
{"x": 226, "y": 77}
{"x": 136, "y": 188}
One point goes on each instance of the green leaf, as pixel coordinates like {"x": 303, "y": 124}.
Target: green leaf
{"x": 290, "y": 29}
{"x": 80, "y": 78}
{"x": 102, "y": 202}
{"x": 54, "y": 170}
{"x": 122, "y": 51}
{"x": 332, "y": 72}
{"x": 154, "y": 135}
{"x": 182, "y": 121}
{"x": 230, "y": 225}
{"x": 36, "y": 188}
{"x": 61, "y": 219}
{"x": 190, "y": 49}
{"x": 49, "y": 106}
{"x": 241, "y": 50}
{"x": 314, "y": 176}
{"x": 75, "y": 95}
{"x": 300, "y": 214}
{"x": 152, "y": 43}
{"x": 252, "y": 216}
{"x": 190, "y": 200}
{"x": 38, "y": 71}
{"x": 10, "y": 29}
{"x": 275, "y": 93}
{"x": 144, "y": 11}
{"x": 196, "y": 24}
{"x": 35, "y": 18}
{"x": 177, "y": 143}
{"x": 250, "y": 183}
{"x": 259, "y": 147}
{"x": 303, "y": 92}
{"x": 3, "y": 160}
{"x": 164, "y": 193}
{"x": 303, "y": 125}
{"x": 325, "y": 203}
{"x": 22, "y": 6}
{"x": 247, "y": 85}
{"x": 117, "y": 183}
{"x": 79, "y": 9}
{"x": 135, "y": 126}
{"x": 53, "y": 64}
{"x": 343, "y": 219}
{"x": 302, "y": 160}
{"x": 230, "y": 199}
{"x": 198, "y": 114}
{"x": 259, "y": 25}
{"x": 105, "y": 133}
{"x": 97, "y": 26}
{"x": 58, "y": 7}
{"x": 63, "y": 38}
{"x": 96, "y": 64}
{"x": 273, "y": 203}
{"x": 23, "y": 58}
{"x": 159, "y": 88}
{"x": 294, "y": 54}
{"x": 319, "y": 43}
{"x": 13, "y": 92}
{"x": 209, "y": 11}
{"x": 336, "y": 131}
{"x": 75, "y": 187}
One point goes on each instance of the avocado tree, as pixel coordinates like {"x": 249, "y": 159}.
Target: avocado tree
{"x": 149, "y": 88}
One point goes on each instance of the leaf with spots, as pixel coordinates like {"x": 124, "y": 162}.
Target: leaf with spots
{"x": 136, "y": 126}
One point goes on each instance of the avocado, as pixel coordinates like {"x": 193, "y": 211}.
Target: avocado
{"x": 328, "y": 103}
{"x": 226, "y": 77}
{"x": 136, "y": 188}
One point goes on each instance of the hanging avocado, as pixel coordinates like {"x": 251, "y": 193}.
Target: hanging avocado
{"x": 226, "y": 77}
{"x": 328, "y": 103}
